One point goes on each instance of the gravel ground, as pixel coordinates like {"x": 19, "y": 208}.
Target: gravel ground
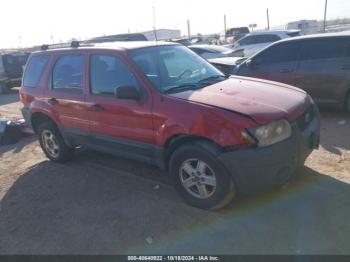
{"x": 99, "y": 204}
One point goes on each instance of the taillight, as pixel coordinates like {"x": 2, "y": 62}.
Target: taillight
{"x": 24, "y": 98}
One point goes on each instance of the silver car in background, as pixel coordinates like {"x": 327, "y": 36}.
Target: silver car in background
{"x": 256, "y": 41}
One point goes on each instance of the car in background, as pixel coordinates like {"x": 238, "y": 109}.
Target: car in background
{"x": 256, "y": 41}
{"x": 318, "y": 64}
{"x": 117, "y": 38}
{"x": 233, "y": 34}
{"x": 11, "y": 69}
{"x": 182, "y": 41}
{"x": 162, "y": 104}
{"x": 211, "y": 51}
{"x": 227, "y": 65}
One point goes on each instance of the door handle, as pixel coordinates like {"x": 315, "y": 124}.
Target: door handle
{"x": 97, "y": 108}
{"x": 286, "y": 70}
{"x": 345, "y": 67}
{"x": 52, "y": 101}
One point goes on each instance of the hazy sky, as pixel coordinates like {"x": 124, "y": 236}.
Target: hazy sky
{"x": 33, "y": 22}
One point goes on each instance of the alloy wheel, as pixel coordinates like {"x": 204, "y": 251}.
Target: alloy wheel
{"x": 50, "y": 143}
{"x": 198, "y": 178}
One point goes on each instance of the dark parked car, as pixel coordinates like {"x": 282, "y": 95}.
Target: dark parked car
{"x": 11, "y": 69}
{"x": 318, "y": 64}
{"x": 211, "y": 51}
{"x": 162, "y": 104}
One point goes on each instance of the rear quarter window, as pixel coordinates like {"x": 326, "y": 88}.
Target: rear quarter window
{"x": 34, "y": 70}
{"x": 323, "y": 49}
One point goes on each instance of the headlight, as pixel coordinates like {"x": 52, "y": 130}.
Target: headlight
{"x": 272, "y": 133}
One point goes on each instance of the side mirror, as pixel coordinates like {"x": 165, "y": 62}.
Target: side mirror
{"x": 251, "y": 63}
{"x": 127, "y": 92}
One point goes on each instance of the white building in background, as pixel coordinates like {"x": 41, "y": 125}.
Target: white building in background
{"x": 307, "y": 27}
{"x": 162, "y": 34}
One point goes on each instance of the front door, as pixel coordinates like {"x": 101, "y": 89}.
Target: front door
{"x": 277, "y": 63}
{"x": 121, "y": 126}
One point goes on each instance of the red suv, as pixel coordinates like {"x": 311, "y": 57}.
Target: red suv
{"x": 162, "y": 104}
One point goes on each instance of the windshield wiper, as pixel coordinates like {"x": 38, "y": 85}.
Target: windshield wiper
{"x": 211, "y": 78}
{"x": 180, "y": 88}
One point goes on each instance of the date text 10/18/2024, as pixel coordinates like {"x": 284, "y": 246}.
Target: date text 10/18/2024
{"x": 173, "y": 258}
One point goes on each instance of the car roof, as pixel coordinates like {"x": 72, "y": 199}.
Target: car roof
{"x": 273, "y": 32}
{"x": 125, "y": 45}
{"x": 317, "y": 36}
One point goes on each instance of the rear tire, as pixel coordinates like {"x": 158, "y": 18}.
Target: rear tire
{"x": 200, "y": 177}
{"x": 53, "y": 144}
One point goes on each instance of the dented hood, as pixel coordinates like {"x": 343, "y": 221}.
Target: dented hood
{"x": 264, "y": 101}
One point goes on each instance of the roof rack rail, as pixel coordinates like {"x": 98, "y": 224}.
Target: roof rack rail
{"x": 74, "y": 44}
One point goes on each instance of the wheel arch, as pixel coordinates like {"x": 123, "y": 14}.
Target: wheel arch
{"x": 179, "y": 140}
{"x": 38, "y": 118}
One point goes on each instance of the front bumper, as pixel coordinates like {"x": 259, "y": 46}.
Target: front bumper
{"x": 261, "y": 168}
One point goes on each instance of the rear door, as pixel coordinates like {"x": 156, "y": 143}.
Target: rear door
{"x": 324, "y": 69}
{"x": 120, "y": 126}
{"x": 65, "y": 95}
{"x": 276, "y": 63}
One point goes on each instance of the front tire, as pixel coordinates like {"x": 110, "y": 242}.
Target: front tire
{"x": 52, "y": 143}
{"x": 200, "y": 177}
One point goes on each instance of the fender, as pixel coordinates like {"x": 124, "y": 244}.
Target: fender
{"x": 220, "y": 127}
{"x": 40, "y": 106}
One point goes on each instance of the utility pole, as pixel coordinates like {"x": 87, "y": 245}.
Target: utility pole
{"x": 325, "y": 16}
{"x": 188, "y": 28}
{"x": 154, "y": 23}
{"x": 225, "y": 28}
{"x": 268, "y": 19}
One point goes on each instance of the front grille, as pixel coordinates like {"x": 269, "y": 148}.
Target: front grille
{"x": 305, "y": 119}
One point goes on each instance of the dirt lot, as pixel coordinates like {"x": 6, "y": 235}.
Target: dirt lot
{"x": 99, "y": 204}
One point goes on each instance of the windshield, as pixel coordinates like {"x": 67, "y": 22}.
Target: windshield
{"x": 169, "y": 67}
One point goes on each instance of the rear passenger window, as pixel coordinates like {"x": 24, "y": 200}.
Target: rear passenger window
{"x": 247, "y": 41}
{"x": 34, "y": 70}
{"x": 108, "y": 73}
{"x": 323, "y": 49}
{"x": 259, "y": 39}
{"x": 68, "y": 73}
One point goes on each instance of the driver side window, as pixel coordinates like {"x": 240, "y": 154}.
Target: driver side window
{"x": 107, "y": 73}
{"x": 280, "y": 53}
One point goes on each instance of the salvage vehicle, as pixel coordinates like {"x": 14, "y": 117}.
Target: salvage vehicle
{"x": 256, "y": 41}
{"x": 211, "y": 51}
{"x": 162, "y": 104}
{"x": 318, "y": 64}
{"x": 11, "y": 69}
